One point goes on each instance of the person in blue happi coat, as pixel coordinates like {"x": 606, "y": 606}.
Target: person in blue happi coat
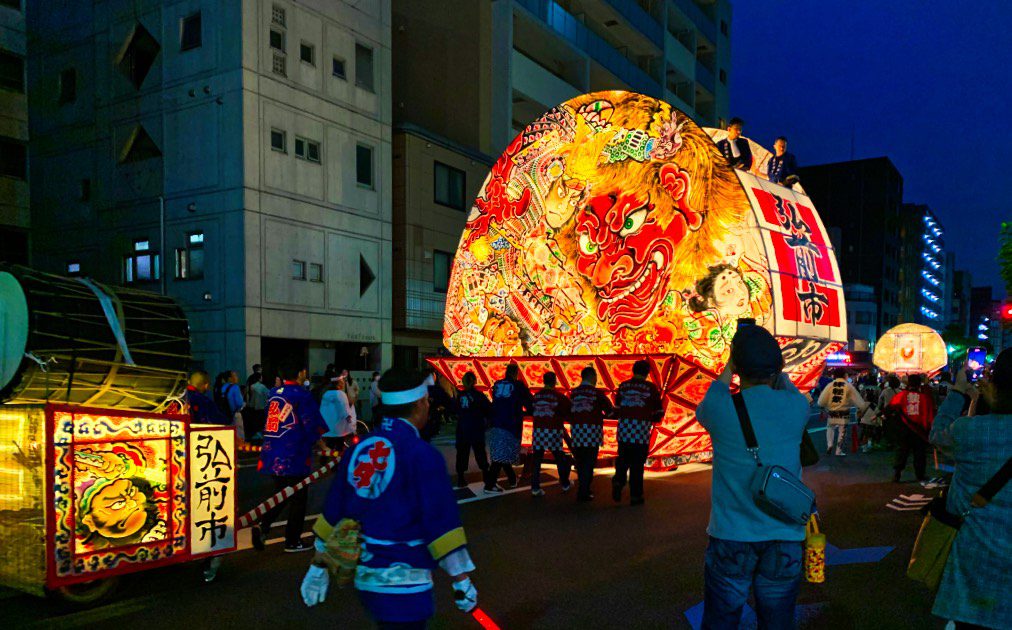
{"x": 782, "y": 168}
{"x": 393, "y": 490}
{"x": 734, "y": 147}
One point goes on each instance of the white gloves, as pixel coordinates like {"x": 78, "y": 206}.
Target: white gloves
{"x": 465, "y": 595}
{"x": 314, "y": 585}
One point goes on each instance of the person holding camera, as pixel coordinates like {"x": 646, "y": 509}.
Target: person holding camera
{"x": 750, "y": 547}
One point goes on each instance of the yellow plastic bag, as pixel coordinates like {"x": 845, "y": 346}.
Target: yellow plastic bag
{"x": 931, "y": 551}
{"x": 815, "y": 552}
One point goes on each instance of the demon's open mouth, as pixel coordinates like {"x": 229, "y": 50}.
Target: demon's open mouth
{"x": 648, "y": 280}
{"x": 632, "y": 303}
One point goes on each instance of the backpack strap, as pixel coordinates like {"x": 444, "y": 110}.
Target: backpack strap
{"x": 751, "y": 444}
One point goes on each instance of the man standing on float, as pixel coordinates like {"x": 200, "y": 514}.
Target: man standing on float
{"x": 392, "y": 501}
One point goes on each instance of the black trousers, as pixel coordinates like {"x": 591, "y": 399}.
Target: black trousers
{"x": 493, "y": 474}
{"x": 561, "y": 460}
{"x": 296, "y": 510}
{"x": 467, "y": 444}
{"x": 630, "y": 461}
{"x": 911, "y": 442}
{"x": 586, "y": 457}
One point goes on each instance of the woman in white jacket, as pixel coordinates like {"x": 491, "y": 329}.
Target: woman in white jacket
{"x": 339, "y": 415}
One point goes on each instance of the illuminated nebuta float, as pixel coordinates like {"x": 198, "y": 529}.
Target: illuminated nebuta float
{"x": 612, "y": 230}
{"x": 911, "y": 349}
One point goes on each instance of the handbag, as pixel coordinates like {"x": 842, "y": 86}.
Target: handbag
{"x": 775, "y": 490}
{"x": 815, "y": 553}
{"x": 939, "y": 528}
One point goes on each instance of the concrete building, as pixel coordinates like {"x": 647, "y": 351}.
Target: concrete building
{"x": 14, "y": 216}
{"x": 962, "y": 286}
{"x": 262, "y": 130}
{"x": 500, "y": 65}
{"x": 863, "y": 198}
{"x": 862, "y": 317}
{"x": 922, "y": 268}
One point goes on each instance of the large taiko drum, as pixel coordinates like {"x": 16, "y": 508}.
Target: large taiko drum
{"x": 76, "y": 341}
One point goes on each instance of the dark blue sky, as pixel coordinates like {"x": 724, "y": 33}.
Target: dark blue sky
{"x": 927, "y": 84}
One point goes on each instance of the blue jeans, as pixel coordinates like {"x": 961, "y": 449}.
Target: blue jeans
{"x": 773, "y": 570}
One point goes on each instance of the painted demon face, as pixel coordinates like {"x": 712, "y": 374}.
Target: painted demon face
{"x": 626, "y": 244}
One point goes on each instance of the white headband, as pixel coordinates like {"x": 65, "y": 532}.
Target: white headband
{"x": 406, "y": 396}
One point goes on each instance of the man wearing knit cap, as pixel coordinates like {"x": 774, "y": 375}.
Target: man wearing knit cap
{"x": 749, "y": 548}
{"x": 391, "y": 502}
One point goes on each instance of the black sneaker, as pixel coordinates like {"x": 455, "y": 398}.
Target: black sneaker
{"x": 300, "y": 546}
{"x": 616, "y": 492}
{"x": 461, "y": 483}
{"x": 259, "y": 536}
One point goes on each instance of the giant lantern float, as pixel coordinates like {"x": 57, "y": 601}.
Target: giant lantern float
{"x": 98, "y": 477}
{"x": 610, "y": 230}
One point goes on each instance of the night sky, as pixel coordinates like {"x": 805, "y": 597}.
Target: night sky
{"x": 927, "y": 84}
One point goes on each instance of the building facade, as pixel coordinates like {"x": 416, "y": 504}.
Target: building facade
{"x": 923, "y": 268}
{"x": 14, "y": 187}
{"x": 862, "y": 317}
{"x": 500, "y": 65}
{"x": 235, "y": 156}
{"x": 863, "y": 197}
{"x": 962, "y": 287}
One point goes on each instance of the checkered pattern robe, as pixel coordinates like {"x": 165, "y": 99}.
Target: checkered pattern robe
{"x": 976, "y": 587}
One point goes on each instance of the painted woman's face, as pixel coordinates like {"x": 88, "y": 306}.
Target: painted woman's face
{"x": 730, "y": 293}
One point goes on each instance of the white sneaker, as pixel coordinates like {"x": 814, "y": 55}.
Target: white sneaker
{"x": 537, "y": 493}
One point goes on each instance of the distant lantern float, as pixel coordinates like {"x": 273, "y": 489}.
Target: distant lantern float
{"x": 610, "y": 230}
{"x": 910, "y": 349}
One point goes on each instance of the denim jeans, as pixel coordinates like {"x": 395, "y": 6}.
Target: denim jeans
{"x": 771, "y": 568}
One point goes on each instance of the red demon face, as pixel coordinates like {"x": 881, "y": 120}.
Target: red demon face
{"x": 626, "y": 244}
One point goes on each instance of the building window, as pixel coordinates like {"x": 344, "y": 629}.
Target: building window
{"x": 278, "y": 65}
{"x": 138, "y": 56}
{"x": 279, "y": 141}
{"x": 315, "y": 272}
{"x": 277, "y": 15}
{"x": 337, "y": 68}
{"x": 363, "y": 67}
{"x": 68, "y": 86}
{"x": 190, "y": 259}
{"x": 363, "y": 166}
{"x": 189, "y": 32}
{"x": 12, "y": 72}
{"x": 278, "y": 40}
{"x": 307, "y": 149}
{"x": 723, "y": 76}
{"x": 298, "y": 270}
{"x": 74, "y": 268}
{"x": 449, "y": 186}
{"x": 442, "y": 263}
{"x": 13, "y": 158}
{"x": 307, "y": 53}
{"x": 143, "y": 266}
{"x": 85, "y": 190}
{"x": 138, "y": 147}
{"x": 723, "y": 28}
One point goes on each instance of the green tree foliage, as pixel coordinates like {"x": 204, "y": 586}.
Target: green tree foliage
{"x": 1005, "y": 255}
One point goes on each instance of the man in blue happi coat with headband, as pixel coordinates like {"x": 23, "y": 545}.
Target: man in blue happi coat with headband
{"x": 392, "y": 499}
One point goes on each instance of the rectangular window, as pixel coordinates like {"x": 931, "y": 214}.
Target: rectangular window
{"x": 449, "y": 186}
{"x": 143, "y": 266}
{"x": 307, "y": 149}
{"x": 141, "y": 245}
{"x": 189, "y": 32}
{"x": 13, "y": 158}
{"x": 278, "y": 15}
{"x": 278, "y": 141}
{"x": 363, "y": 67}
{"x": 278, "y": 65}
{"x": 337, "y": 68}
{"x": 278, "y": 40}
{"x": 442, "y": 263}
{"x": 12, "y": 72}
{"x": 315, "y": 272}
{"x": 298, "y": 270}
{"x": 85, "y": 189}
{"x": 363, "y": 166}
{"x": 307, "y": 53}
{"x": 190, "y": 259}
{"x": 73, "y": 268}
{"x": 68, "y": 86}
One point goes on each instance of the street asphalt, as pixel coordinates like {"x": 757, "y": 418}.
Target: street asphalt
{"x": 552, "y": 563}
